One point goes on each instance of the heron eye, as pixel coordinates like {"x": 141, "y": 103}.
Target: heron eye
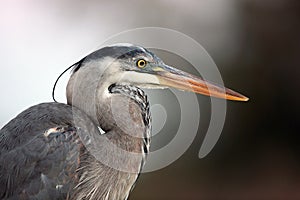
{"x": 141, "y": 63}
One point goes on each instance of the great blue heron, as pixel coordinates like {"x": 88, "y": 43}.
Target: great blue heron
{"x": 43, "y": 156}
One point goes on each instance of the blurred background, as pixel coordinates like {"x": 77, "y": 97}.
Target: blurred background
{"x": 255, "y": 44}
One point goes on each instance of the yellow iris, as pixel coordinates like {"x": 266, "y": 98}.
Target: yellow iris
{"x": 141, "y": 63}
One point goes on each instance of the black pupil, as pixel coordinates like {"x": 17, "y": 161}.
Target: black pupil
{"x": 142, "y": 63}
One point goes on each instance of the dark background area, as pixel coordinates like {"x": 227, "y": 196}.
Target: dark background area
{"x": 255, "y": 44}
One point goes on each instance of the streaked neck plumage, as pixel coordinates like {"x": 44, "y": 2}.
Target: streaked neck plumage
{"x": 122, "y": 111}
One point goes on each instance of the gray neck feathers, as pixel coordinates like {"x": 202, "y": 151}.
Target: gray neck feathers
{"x": 122, "y": 108}
{"x": 140, "y": 98}
{"x": 122, "y": 111}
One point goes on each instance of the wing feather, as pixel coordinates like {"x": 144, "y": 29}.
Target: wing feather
{"x": 40, "y": 153}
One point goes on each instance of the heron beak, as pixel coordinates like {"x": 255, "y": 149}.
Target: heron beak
{"x": 171, "y": 77}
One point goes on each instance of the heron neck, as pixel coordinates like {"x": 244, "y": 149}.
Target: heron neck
{"x": 138, "y": 96}
{"x": 121, "y": 109}
{"x": 126, "y": 110}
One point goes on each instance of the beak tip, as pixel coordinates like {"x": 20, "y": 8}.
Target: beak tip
{"x": 242, "y": 98}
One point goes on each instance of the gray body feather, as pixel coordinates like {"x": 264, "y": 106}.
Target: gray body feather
{"x": 43, "y": 157}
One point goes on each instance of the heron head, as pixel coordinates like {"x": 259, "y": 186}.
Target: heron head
{"x": 134, "y": 65}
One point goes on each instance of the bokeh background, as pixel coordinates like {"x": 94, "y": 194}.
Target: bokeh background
{"x": 255, "y": 44}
